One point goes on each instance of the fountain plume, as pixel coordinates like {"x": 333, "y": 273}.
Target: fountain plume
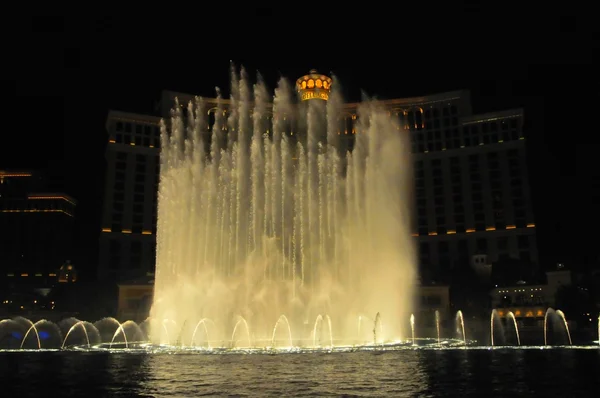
{"x": 266, "y": 213}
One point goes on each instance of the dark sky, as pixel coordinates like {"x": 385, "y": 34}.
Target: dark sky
{"x": 62, "y": 74}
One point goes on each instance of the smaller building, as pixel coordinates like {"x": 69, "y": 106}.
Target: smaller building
{"x": 530, "y": 301}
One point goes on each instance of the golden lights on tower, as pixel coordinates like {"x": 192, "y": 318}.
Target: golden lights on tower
{"x": 314, "y": 86}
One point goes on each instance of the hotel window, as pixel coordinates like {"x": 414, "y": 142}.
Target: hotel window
{"x": 128, "y": 127}
{"x": 424, "y": 250}
{"x": 481, "y": 245}
{"x": 523, "y": 242}
{"x": 119, "y": 126}
{"x": 502, "y": 243}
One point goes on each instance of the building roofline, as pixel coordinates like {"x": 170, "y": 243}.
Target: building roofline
{"x": 489, "y": 116}
{"x": 420, "y": 100}
{"x": 131, "y": 117}
{"x": 52, "y": 195}
{"x": 17, "y": 173}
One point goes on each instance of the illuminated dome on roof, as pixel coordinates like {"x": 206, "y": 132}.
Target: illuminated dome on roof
{"x": 314, "y": 86}
{"x": 67, "y": 273}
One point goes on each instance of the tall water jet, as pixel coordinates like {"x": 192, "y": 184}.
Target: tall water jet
{"x": 412, "y": 327}
{"x": 377, "y": 323}
{"x": 460, "y": 322}
{"x": 437, "y": 325}
{"x": 267, "y": 212}
{"x": 511, "y": 316}
{"x": 493, "y": 316}
{"x": 599, "y": 329}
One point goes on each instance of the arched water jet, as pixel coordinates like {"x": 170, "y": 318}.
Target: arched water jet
{"x": 240, "y": 320}
{"x": 546, "y": 315}
{"x": 120, "y": 329}
{"x": 203, "y": 323}
{"x": 82, "y": 325}
{"x": 599, "y": 329}
{"x": 564, "y": 320}
{"x": 460, "y": 320}
{"x": 282, "y": 318}
{"x": 437, "y": 325}
{"x": 510, "y": 315}
{"x": 412, "y": 327}
{"x": 37, "y": 335}
{"x": 318, "y": 322}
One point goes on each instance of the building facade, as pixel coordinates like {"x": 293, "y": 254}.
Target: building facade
{"x": 36, "y": 230}
{"x": 472, "y": 194}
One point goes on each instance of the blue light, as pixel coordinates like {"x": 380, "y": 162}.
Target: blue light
{"x": 17, "y": 335}
{"x": 43, "y": 335}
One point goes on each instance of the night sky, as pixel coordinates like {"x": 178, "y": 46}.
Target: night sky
{"x": 63, "y": 74}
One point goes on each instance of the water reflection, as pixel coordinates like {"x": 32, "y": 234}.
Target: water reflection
{"x": 431, "y": 373}
{"x": 277, "y": 375}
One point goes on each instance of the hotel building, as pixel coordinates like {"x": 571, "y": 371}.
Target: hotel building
{"x": 472, "y": 199}
{"x": 36, "y": 231}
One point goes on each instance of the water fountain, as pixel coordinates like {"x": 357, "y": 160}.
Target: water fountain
{"x": 511, "y": 317}
{"x": 109, "y": 334}
{"x": 270, "y": 220}
{"x": 552, "y": 314}
{"x": 412, "y": 328}
{"x": 460, "y": 322}
{"x": 437, "y": 325}
{"x": 270, "y": 214}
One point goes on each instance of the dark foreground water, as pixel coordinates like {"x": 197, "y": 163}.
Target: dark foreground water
{"x": 422, "y": 373}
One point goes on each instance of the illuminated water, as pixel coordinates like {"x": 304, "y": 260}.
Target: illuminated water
{"x": 269, "y": 216}
{"x": 408, "y": 373}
